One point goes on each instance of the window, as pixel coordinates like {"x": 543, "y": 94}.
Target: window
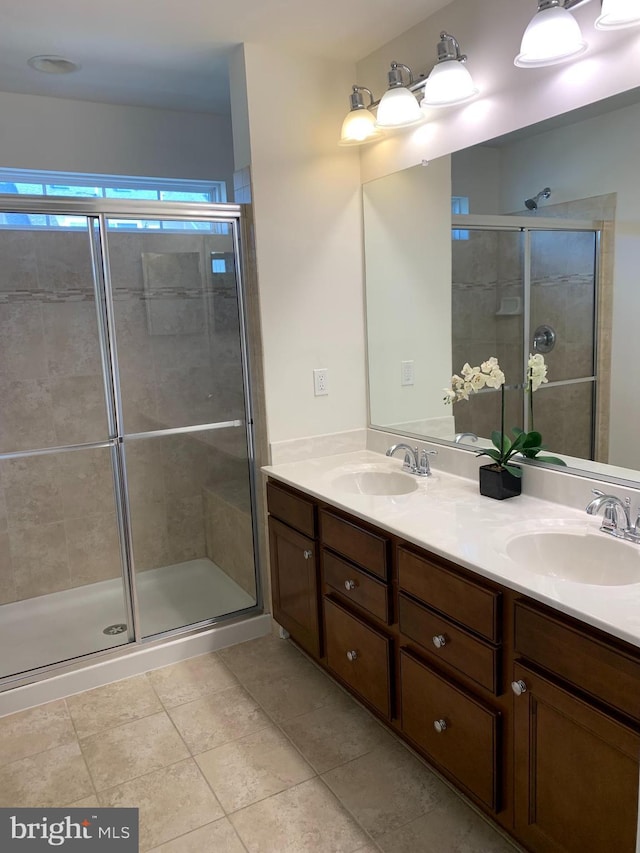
{"x": 74, "y": 185}
{"x": 459, "y": 204}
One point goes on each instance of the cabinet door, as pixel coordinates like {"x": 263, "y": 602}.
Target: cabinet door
{"x": 294, "y": 581}
{"x": 576, "y": 779}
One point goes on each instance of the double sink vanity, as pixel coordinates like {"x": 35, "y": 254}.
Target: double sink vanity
{"x": 501, "y": 640}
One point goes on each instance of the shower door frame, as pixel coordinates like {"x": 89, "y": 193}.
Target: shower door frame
{"x": 526, "y": 225}
{"x": 97, "y": 212}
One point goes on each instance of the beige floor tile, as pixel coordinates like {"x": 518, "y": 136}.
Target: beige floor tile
{"x": 386, "y": 788}
{"x": 52, "y": 778}
{"x": 106, "y": 707}
{"x": 133, "y": 749}
{"x": 252, "y": 768}
{"x": 191, "y": 679}
{"x": 335, "y": 734}
{"x": 218, "y": 837}
{"x": 286, "y": 696}
{"x": 32, "y": 731}
{"x": 304, "y": 819}
{"x": 452, "y": 827}
{"x": 172, "y": 802}
{"x": 265, "y": 656}
{"x": 369, "y": 848}
{"x": 218, "y": 719}
{"x": 85, "y": 803}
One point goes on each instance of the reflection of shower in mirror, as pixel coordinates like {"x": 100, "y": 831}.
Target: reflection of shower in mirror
{"x": 532, "y": 203}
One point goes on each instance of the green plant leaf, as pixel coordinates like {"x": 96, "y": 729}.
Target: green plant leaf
{"x": 497, "y": 439}
{"x": 552, "y": 459}
{"x": 532, "y": 439}
{"x": 513, "y": 469}
{"x": 494, "y": 454}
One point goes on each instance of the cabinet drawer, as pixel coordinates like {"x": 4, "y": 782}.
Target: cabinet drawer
{"x": 465, "y": 601}
{"x": 475, "y": 658}
{"x": 294, "y": 510}
{"x": 358, "y": 544}
{"x": 360, "y": 655}
{"x": 356, "y": 585}
{"x": 468, "y": 746}
{"x": 597, "y": 668}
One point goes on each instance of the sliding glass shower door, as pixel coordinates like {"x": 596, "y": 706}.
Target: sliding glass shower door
{"x": 182, "y": 409}
{"x": 126, "y": 454}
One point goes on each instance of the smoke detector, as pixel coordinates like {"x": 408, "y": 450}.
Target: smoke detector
{"x": 50, "y": 64}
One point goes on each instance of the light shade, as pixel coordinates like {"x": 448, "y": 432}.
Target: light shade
{"x": 359, "y": 127}
{"x": 399, "y": 108}
{"x": 618, "y": 15}
{"x": 449, "y": 82}
{"x": 553, "y": 36}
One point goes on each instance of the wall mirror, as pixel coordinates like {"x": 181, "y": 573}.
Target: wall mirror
{"x": 526, "y": 243}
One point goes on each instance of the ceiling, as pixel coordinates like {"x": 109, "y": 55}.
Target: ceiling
{"x": 173, "y": 55}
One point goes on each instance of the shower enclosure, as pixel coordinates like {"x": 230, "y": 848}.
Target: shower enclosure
{"x": 523, "y": 286}
{"x": 127, "y": 487}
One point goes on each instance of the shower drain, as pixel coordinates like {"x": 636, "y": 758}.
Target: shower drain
{"x": 115, "y": 629}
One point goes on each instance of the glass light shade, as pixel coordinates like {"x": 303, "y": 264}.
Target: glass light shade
{"x": 618, "y": 15}
{"x": 359, "y": 127}
{"x": 398, "y": 108}
{"x": 449, "y": 83}
{"x": 553, "y": 36}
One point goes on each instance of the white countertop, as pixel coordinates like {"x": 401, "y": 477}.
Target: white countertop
{"x": 447, "y": 516}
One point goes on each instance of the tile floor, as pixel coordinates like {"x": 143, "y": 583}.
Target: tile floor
{"x": 252, "y": 748}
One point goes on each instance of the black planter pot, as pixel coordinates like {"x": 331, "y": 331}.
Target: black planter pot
{"x": 498, "y": 483}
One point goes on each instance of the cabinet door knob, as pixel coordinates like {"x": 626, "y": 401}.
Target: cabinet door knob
{"x": 349, "y": 585}
{"x": 439, "y": 641}
{"x": 352, "y": 655}
{"x": 519, "y": 687}
{"x": 308, "y": 555}
{"x": 440, "y": 726}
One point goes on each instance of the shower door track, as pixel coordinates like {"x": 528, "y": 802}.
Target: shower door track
{"x": 97, "y": 211}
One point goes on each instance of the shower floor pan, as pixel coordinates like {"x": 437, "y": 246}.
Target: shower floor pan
{"x": 68, "y": 624}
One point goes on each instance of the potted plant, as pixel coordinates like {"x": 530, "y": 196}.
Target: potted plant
{"x": 502, "y": 479}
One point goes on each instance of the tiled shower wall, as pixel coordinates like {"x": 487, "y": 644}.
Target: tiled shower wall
{"x": 487, "y": 284}
{"x": 178, "y": 349}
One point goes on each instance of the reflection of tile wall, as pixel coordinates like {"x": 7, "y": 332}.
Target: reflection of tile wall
{"x": 57, "y": 513}
{"x": 486, "y": 275}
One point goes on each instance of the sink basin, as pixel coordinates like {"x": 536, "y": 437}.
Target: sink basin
{"x": 376, "y": 483}
{"x": 579, "y": 556}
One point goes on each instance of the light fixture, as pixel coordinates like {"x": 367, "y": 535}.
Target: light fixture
{"x": 50, "y": 64}
{"x": 398, "y": 106}
{"x": 618, "y": 15}
{"x": 450, "y": 81}
{"x": 553, "y": 36}
{"x": 359, "y": 125}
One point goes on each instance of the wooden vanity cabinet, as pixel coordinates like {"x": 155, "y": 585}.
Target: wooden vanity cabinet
{"x": 293, "y": 552}
{"x": 436, "y": 650}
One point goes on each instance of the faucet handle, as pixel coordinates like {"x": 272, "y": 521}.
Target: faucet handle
{"x": 424, "y": 468}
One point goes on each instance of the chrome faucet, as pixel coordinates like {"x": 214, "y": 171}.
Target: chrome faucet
{"x": 415, "y": 461}
{"x": 617, "y": 516}
{"x": 461, "y": 435}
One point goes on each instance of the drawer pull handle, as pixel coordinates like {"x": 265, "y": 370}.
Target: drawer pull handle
{"x": 352, "y": 656}
{"x": 349, "y": 585}
{"x": 518, "y": 687}
{"x": 308, "y": 555}
{"x": 439, "y": 641}
{"x": 440, "y": 726}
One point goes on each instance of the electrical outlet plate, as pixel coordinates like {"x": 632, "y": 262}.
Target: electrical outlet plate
{"x": 321, "y": 381}
{"x": 407, "y": 375}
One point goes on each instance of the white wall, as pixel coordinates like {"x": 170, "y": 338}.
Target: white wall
{"x": 490, "y": 32}
{"x": 57, "y": 134}
{"x": 408, "y": 269}
{"x": 308, "y": 231}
